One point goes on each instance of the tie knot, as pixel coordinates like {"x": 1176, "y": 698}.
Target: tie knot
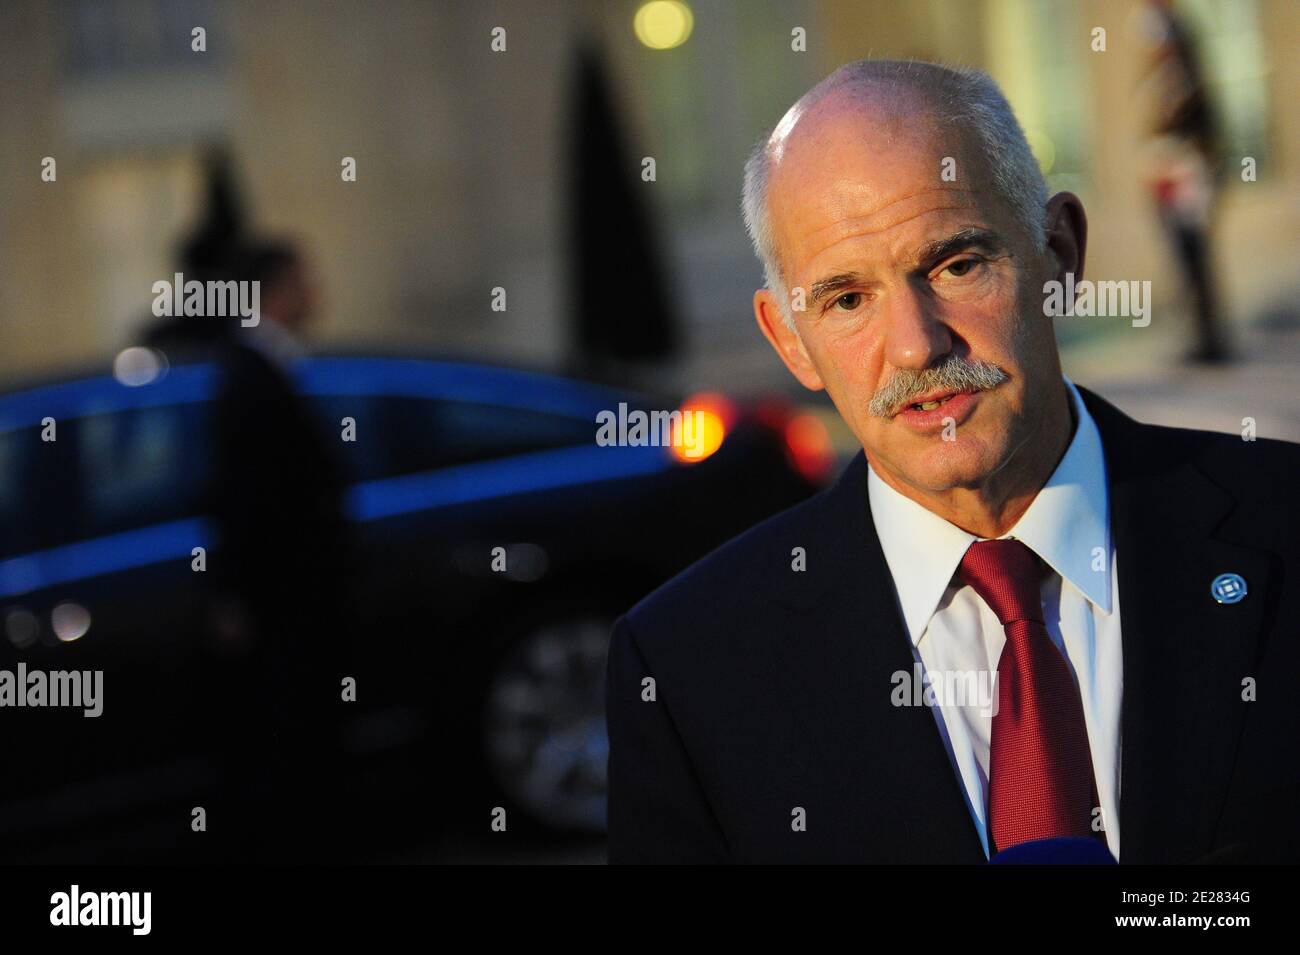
{"x": 1006, "y": 574}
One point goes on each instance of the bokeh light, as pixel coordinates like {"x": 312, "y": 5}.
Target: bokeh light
{"x": 71, "y": 621}
{"x": 137, "y": 365}
{"x": 663, "y": 24}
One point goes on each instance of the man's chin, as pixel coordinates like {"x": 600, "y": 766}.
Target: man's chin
{"x": 946, "y": 466}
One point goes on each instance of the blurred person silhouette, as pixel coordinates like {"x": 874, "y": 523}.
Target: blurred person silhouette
{"x": 617, "y": 255}
{"x": 1184, "y": 166}
{"x": 211, "y": 252}
{"x": 280, "y": 576}
{"x": 283, "y": 570}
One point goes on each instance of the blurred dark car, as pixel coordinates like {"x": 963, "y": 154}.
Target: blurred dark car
{"x": 499, "y": 542}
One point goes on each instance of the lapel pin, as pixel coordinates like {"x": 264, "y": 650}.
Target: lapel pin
{"x": 1228, "y": 589}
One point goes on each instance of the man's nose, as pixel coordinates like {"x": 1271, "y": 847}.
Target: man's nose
{"x": 915, "y": 336}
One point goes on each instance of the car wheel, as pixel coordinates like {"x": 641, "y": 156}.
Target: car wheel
{"x": 544, "y": 722}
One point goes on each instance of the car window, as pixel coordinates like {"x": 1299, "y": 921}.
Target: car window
{"x": 20, "y": 524}
{"x": 408, "y": 435}
{"x": 459, "y": 432}
{"x": 142, "y": 466}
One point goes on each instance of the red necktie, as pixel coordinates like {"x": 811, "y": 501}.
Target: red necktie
{"x": 1040, "y": 768}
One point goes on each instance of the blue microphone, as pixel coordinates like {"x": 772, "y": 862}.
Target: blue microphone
{"x": 1059, "y": 851}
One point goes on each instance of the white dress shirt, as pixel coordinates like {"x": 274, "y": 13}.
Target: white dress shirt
{"x": 953, "y": 630}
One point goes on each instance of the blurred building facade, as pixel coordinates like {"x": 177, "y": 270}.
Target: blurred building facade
{"x": 461, "y": 150}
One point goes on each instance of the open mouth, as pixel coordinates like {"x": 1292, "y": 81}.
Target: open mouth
{"x": 929, "y": 404}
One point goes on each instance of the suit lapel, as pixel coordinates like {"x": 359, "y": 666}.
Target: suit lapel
{"x": 886, "y": 763}
{"x": 1184, "y": 654}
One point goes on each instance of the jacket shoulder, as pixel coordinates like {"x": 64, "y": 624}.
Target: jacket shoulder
{"x": 737, "y": 579}
{"x": 1255, "y": 468}
{"x": 1260, "y": 476}
{"x": 1250, "y": 466}
{"x": 1257, "y": 476}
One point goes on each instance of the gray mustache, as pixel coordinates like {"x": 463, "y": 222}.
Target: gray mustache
{"x": 953, "y": 372}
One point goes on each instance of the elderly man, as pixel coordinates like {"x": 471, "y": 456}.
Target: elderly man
{"x": 1019, "y": 618}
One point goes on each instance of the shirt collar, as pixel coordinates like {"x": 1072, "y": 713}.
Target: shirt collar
{"x": 1066, "y": 525}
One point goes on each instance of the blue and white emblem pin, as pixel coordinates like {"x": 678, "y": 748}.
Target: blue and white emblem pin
{"x": 1228, "y": 589}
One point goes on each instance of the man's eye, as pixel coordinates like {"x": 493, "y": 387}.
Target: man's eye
{"x": 848, "y": 301}
{"x": 962, "y": 267}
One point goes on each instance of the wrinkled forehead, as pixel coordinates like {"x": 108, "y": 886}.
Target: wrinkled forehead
{"x": 864, "y": 164}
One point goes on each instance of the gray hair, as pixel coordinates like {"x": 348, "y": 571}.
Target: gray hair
{"x": 959, "y": 97}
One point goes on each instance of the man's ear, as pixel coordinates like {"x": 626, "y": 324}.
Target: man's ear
{"x": 1067, "y": 234}
{"x": 786, "y": 342}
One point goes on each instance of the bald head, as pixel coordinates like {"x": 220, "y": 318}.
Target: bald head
{"x": 873, "y": 125}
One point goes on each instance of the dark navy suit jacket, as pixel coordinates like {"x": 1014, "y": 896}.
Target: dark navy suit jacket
{"x": 772, "y": 687}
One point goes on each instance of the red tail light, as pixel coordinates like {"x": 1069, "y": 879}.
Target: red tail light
{"x": 805, "y": 438}
{"x": 712, "y": 417}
